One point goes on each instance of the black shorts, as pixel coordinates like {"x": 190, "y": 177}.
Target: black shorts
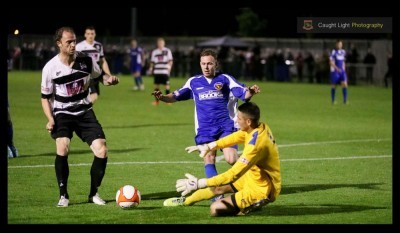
{"x": 86, "y": 126}
{"x": 94, "y": 86}
{"x": 161, "y": 79}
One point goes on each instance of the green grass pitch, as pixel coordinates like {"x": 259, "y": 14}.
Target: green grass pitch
{"x": 336, "y": 160}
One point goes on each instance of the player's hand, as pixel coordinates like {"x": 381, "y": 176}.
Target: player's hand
{"x": 203, "y": 149}
{"x": 111, "y": 80}
{"x": 190, "y": 184}
{"x": 50, "y": 126}
{"x": 254, "y": 89}
{"x": 157, "y": 94}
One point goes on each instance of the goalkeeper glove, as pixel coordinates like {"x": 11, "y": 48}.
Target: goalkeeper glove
{"x": 190, "y": 184}
{"x": 203, "y": 149}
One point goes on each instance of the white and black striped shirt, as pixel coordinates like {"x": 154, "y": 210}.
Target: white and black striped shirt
{"x": 95, "y": 51}
{"x": 67, "y": 87}
{"x": 161, "y": 58}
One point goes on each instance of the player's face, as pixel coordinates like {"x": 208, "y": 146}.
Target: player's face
{"x": 160, "y": 44}
{"x": 208, "y": 66}
{"x": 67, "y": 43}
{"x": 134, "y": 43}
{"x": 339, "y": 45}
{"x": 90, "y": 35}
{"x": 243, "y": 121}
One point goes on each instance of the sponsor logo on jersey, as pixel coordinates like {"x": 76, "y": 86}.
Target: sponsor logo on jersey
{"x": 58, "y": 73}
{"x": 218, "y": 86}
{"x": 82, "y": 65}
{"x": 208, "y": 95}
{"x": 199, "y": 88}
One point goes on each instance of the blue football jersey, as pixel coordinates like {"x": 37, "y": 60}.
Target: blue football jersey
{"x": 215, "y": 99}
{"x": 338, "y": 56}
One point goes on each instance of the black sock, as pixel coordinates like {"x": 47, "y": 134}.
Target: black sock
{"x": 62, "y": 173}
{"x": 97, "y": 173}
{"x": 167, "y": 92}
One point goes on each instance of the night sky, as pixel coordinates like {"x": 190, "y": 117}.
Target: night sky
{"x": 170, "y": 21}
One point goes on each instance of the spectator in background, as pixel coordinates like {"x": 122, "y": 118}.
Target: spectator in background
{"x": 137, "y": 60}
{"x": 95, "y": 50}
{"x": 389, "y": 73}
{"x": 178, "y": 60}
{"x": 352, "y": 58}
{"x": 161, "y": 62}
{"x": 310, "y": 64}
{"x": 299, "y": 66}
{"x": 370, "y": 61}
{"x": 338, "y": 71}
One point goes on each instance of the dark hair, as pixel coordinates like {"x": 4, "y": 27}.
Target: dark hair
{"x": 209, "y": 52}
{"x": 60, "y": 31}
{"x": 252, "y": 111}
{"x": 90, "y": 28}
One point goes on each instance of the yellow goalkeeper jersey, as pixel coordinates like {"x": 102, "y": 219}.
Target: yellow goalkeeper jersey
{"x": 259, "y": 161}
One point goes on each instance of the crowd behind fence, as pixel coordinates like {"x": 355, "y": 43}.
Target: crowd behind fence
{"x": 270, "y": 59}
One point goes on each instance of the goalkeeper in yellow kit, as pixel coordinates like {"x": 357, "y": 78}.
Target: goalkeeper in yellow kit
{"x": 255, "y": 179}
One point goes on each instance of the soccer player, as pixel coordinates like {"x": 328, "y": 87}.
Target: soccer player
{"x": 161, "y": 62}
{"x": 255, "y": 179}
{"x": 338, "y": 71}
{"x": 137, "y": 60}
{"x": 68, "y": 109}
{"x": 215, "y": 96}
{"x": 95, "y": 50}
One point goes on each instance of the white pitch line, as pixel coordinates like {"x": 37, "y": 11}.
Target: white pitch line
{"x": 340, "y": 158}
{"x": 333, "y": 142}
{"x": 193, "y": 162}
{"x": 219, "y": 158}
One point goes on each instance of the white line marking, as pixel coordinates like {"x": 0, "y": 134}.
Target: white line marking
{"x": 193, "y": 162}
{"x": 340, "y": 158}
{"x": 239, "y": 152}
{"x": 333, "y": 142}
{"x": 221, "y": 157}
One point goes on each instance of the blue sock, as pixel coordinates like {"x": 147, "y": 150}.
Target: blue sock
{"x": 333, "y": 94}
{"x": 344, "y": 90}
{"x": 137, "y": 81}
{"x": 210, "y": 170}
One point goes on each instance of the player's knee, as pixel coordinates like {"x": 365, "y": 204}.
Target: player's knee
{"x": 62, "y": 146}
{"x": 99, "y": 148}
{"x": 231, "y": 156}
{"x": 231, "y": 159}
{"x": 101, "y": 151}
